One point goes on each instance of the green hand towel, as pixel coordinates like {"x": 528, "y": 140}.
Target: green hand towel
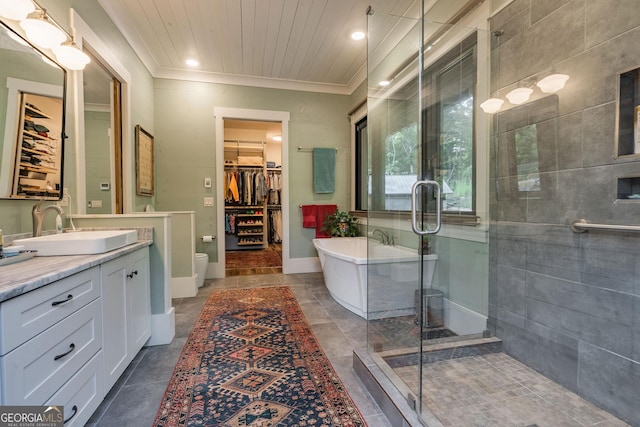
{"x": 324, "y": 170}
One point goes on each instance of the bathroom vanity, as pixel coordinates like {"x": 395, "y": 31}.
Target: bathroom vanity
{"x": 70, "y": 325}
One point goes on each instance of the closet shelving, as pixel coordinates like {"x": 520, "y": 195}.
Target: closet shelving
{"x": 274, "y": 208}
{"x": 249, "y": 230}
{"x": 37, "y": 170}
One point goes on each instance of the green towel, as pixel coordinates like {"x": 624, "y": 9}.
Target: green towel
{"x": 324, "y": 170}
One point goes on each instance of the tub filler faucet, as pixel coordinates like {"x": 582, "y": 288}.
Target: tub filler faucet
{"x": 38, "y": 216}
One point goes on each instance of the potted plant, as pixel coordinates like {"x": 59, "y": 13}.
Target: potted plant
{"x": 341, "y": 224}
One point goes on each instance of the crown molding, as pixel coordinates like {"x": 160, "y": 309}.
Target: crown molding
{"x": 242, "y": 80}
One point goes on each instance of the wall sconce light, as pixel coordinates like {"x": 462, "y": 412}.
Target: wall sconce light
{"x": 519, "y": 95}
{"x": 70, "y": 56}
{"x": 16, "y": 9}
{"x": 41, "y": 31}
{"x": 44, "y": 32}
{"x": 553, "y": 83}
{"x": 492, "y": 105}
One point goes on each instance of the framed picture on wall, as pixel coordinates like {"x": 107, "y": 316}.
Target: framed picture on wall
{"x": 144, "y": 162}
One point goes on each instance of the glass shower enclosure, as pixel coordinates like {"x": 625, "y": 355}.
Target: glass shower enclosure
{"x": 427, "y": 232}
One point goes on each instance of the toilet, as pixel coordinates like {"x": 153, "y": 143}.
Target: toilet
{"x": 202, "y": 261}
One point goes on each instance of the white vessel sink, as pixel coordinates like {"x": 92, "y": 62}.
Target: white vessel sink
{"x": 79, "y": 243}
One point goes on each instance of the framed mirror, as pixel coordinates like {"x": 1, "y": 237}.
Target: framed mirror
{"x": 32, "y": 106}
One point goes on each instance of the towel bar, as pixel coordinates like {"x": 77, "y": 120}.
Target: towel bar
{"x": 309, "y": 150}
{"x": 581, "y": 226}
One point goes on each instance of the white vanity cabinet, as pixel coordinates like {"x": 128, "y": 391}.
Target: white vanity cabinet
{"x": 66, "y": 341}
{"x": 49, "y": 336}
{"x": 126, "y": 311}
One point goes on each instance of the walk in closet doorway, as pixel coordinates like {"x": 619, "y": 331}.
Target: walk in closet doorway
{"x": 252, "y": 187}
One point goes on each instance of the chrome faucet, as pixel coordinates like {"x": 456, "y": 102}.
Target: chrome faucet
{"x": 38, "y": 216}
{"x": 384, "y": 237}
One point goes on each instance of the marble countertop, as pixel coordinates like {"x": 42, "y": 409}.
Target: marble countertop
{"x": 17, "y": 279}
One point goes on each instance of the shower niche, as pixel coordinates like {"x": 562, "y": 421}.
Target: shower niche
{"x": 628, "y": 114}
{"x": 629, "y": 188}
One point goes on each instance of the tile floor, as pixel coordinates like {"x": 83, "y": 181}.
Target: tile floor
{"x": 135, "y": 398}
{"x": 488, "y": 390}
{"x": 496, "y": 390}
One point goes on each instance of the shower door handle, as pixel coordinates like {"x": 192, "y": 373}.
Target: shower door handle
{"x": 414, "y": 208}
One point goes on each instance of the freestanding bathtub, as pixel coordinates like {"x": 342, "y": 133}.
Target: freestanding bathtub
{"x": 389, "y": 274}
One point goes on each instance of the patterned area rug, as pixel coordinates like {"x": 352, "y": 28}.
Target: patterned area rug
{"x": 252, "y": 360}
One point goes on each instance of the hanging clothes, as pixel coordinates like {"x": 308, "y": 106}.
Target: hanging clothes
{"x": 275, "y": 226}
{"x": 233, "y": 188}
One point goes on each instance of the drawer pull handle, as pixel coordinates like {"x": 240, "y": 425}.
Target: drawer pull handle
{"x": 75, "y": 411}
{"x": 60, "y": 356}
{"x": 133, "y": 273}
{"x": 55, "y": 303}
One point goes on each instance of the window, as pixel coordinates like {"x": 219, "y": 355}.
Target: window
{"x": 448, "y": 127}
{"x": 400, "y": 150}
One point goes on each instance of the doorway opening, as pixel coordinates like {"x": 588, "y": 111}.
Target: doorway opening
{"x": 252, "y": 197}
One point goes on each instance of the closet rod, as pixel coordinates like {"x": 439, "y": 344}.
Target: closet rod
{"x": 244, "y": 141}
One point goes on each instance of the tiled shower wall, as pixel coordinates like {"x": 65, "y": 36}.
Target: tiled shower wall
{"x": 567, "y": 304}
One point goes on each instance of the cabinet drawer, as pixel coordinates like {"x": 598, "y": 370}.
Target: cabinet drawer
{"x": 34, "y": 371}
{"x": 26, "y": 316}
{"x": 82, "y": 394}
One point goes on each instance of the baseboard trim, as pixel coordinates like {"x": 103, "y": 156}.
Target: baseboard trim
{"x": 301, "y": 265}
{"x": 184, "y": 287}
{"x": 163, "y": 328}
{"x": 461, "y": 320}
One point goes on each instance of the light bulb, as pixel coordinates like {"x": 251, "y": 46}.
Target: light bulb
{"x": 519, "y": 95}
{"x": 70, "y": 57}
{"x": 552, "y": 83}
{"x": 492, "y": 105}
{"x": 41, "y": 32}
{"x": 16, "y": 9}
{"x": 358, "y": 35}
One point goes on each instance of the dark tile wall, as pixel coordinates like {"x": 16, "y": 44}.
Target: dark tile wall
{"x": 567, "y": 304}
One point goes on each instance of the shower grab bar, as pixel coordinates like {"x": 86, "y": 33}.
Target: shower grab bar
{"x": 581, "y": 226}
{"x": 414, "y": 210}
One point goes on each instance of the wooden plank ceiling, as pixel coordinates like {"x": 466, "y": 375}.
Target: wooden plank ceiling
{"x": 272, "y": 43}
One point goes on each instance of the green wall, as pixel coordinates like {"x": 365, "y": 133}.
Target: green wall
{"x": 185, "y": 149}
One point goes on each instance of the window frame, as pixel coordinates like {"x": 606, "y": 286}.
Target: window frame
{"x": 432, "y": 116}
{"x": 468, "y": 46}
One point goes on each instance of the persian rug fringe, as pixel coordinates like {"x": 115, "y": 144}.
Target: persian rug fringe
{"x": 252, "y": 360}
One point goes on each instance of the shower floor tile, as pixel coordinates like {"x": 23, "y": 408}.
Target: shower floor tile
{"x": 497, "y": 390}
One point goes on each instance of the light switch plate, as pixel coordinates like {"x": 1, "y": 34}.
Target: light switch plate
{"x": 207, "y": 182}
{"x": 208, "y": 201}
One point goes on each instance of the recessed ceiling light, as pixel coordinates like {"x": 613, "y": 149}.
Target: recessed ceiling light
{"x": 192, "y": 62}
{"x": 277, "y": 138}
{"x": 384, "y": 83}
{"x": 358, "y": 35}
